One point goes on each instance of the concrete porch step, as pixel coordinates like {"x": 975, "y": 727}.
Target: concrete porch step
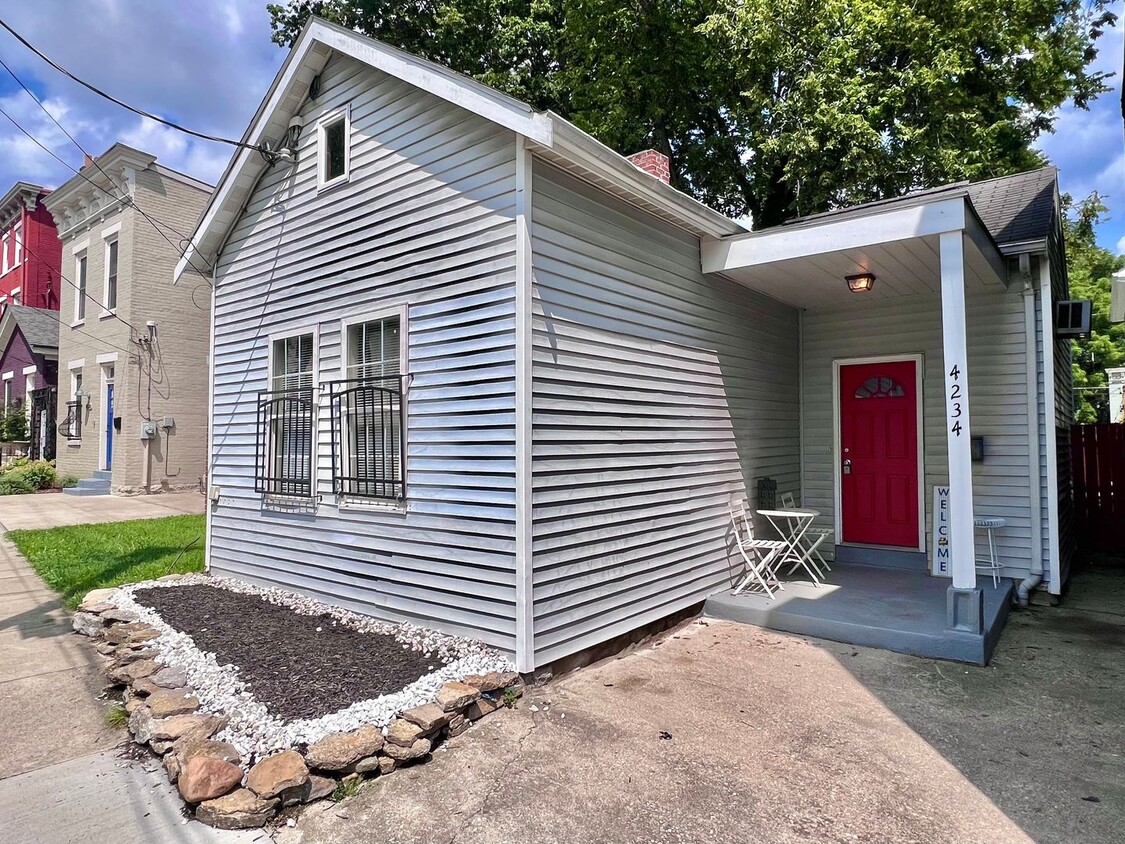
{"x": 97, "y": 485}
{"x": 102, "y": 475}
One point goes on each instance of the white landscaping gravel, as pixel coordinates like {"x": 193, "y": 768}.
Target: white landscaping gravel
{"x": 255, "y": 732}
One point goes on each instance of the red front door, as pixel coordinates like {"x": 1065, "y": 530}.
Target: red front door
{"x": 879, "y": 453}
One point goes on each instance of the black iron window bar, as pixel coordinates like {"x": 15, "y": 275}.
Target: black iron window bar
{"x": 284, "y": 443}
{"x": 368, "y": 446}
{"x": 71, "y": 426}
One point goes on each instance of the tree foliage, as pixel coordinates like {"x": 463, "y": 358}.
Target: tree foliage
{"x": 770, "y": 108}
{"x": 1090, "y": 268}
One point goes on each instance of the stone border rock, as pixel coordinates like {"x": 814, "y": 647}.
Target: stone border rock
{"x": 234, "y": 783}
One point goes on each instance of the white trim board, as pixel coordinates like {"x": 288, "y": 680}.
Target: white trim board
{"x": 919, "y": 360}
{"x": 525, "y": 598}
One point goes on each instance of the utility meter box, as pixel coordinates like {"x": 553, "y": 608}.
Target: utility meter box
{"x": 148, "y": 430}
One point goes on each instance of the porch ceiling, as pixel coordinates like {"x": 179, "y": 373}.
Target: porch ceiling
{"x": 805, "y": 264}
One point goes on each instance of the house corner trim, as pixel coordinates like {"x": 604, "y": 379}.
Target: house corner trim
{"x": 525, "y": 626}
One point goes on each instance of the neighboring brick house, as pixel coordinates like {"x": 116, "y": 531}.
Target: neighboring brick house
{"x": 29, "y": 363}
{"x": 30, "y": 252}
{"x": 133, "y": 350}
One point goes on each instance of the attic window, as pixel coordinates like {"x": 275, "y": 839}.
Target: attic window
{"x": 335, "y": 157}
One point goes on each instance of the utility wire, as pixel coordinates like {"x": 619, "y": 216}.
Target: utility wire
{"x": 125, "y": 200}
{"x": 55, "y": 316}
{"x": 216, "y": 138}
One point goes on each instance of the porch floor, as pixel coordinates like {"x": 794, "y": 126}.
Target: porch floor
{"x": 894, "y": 609}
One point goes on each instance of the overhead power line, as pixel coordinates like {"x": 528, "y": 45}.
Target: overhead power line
{"x": 91, "y": 87}
{"x": 127, "y": 200}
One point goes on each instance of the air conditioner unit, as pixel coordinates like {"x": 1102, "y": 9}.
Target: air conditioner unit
{"x": 1072, "y": 318}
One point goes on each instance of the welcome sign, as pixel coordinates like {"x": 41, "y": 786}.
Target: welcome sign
{"x": 941, "y": 563}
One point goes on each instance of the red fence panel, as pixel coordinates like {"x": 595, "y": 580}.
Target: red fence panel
{"x": 1097, "y": 459}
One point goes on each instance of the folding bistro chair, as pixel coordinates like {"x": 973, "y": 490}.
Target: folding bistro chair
{"x": 813, "y": 536}
{"x": 759, "y": 554}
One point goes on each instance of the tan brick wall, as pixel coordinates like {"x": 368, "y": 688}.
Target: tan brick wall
{"x": 178, "y": 358}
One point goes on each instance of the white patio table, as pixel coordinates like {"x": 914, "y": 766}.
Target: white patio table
{"x": 791, "y": 524}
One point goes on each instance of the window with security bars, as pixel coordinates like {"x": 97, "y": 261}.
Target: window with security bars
{"x": 286, "y": 418}
{"x": 368, "y": 447}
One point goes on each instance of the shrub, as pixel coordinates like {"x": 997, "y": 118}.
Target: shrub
{"x": 40, "y": 474}
{"x": 13, "y": 427}
{"x": 67, "y": 481}
{"x": 14, "y": 484}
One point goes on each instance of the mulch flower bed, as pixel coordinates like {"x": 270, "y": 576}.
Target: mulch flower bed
{"x": 299, "y": 666}
{"x": 258, "y": 699}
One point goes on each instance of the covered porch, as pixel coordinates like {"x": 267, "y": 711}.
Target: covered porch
{"x": 895, "y": 609}
{"x": 921, "y": 410}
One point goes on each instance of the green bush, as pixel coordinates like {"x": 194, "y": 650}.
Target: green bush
{"x": 67, "y": 481}
{"x": 13, "y": 426}
{"x": 40, "y": 474}
{"x": 14, "y": 484}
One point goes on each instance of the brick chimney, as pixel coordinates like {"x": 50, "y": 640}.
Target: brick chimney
{"x": 654, "y": 163}
{"x": 87, "y": 160}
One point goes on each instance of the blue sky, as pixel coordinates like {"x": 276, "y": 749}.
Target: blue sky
{"x": 207, "y": 64}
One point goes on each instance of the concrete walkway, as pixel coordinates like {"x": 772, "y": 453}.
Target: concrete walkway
{"x": 62, "y": 778}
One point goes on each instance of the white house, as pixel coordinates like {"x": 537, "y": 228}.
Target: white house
{"x": 475, "y": 370}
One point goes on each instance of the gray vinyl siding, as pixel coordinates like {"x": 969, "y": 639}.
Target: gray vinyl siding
{"x": 427, "y": 222}
{"x": 659, "y": 395}
{"x": 997, "y": 401}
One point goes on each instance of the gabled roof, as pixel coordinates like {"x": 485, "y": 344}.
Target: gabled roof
{"x": 40, "y": 328}
{"x": 549, "y": 136}
{"x": 1014, "y": 209}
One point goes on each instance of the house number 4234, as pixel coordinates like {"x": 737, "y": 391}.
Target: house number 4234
{"x": 954, "y": 403}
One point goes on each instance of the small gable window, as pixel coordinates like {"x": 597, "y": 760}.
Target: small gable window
{"x": 335, "y": 154}
{"x": 879, "y": 387}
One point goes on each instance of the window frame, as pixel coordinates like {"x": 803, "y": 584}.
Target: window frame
{"x": 111, "y": 241}
{"x": 17, "y": 237}
{"x": 328, "y": 119}
{"x": 273, "y": 339}
{"x": 402, "y": 311}
{"x": 81, "y": 285}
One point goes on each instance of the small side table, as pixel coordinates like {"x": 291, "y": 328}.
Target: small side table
{"x": 991, "y": 563}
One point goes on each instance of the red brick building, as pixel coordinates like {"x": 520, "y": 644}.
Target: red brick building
{"x": 30, "y": 250}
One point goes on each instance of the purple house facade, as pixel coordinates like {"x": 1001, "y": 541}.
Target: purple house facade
{"x": 29, "y": 352}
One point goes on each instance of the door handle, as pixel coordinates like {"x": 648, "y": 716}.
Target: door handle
{"x": 847, "y": 467}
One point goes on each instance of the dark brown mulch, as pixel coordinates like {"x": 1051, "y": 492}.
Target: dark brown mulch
{"x": 293, "y": 668}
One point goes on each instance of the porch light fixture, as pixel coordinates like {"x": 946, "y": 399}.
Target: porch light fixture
{"x": 860, "y": 283}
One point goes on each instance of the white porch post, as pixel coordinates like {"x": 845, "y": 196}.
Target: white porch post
{"x": 965, "y": 602}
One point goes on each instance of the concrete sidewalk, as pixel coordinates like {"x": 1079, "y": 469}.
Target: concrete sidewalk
{"x": 62, "y": 779}
{"x": 32, "y": 512}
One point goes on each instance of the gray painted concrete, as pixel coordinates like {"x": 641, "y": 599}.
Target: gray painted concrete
{"x": 887, "y": 608}
{"x": 102, "y": 798}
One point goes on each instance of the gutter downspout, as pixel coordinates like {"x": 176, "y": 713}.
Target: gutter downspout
{"x": 1035, "y": 576}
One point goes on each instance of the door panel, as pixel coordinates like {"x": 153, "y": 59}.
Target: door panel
{"x": 879, "y": 436}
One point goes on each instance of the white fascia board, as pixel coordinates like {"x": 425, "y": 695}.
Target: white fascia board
{"x": 802, "y": 241}
{"x": 586, "y": 150}
{"x": 437, "y": 80}
{"x": 444, "y": 83}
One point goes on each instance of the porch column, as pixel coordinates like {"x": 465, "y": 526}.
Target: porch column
{"x": 965, "y": 604}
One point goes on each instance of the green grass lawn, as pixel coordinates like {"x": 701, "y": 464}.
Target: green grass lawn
{"x": 73, "y": 560}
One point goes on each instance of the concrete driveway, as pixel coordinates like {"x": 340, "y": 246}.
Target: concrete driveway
{"x": 729, "y": 733}
{"x": 62, "y": 778}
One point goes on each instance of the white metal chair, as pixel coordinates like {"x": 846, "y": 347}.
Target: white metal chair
{"x": 813, "y": 536}
{"x": 759, "y": 554}
{"x": 991, "y": 563}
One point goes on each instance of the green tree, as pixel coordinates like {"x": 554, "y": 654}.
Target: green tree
{"x": 770, "y": 108}
{"x": 1090, "y": 268}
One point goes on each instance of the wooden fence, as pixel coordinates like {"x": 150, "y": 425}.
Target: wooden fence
{"x": 1097, "y": 459}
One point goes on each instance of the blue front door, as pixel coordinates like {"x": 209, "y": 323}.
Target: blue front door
{"x": 109, "y": 426}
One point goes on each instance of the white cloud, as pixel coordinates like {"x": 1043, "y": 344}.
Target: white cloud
{"x": 1121, "y": 245}
{"x": 202, "y": 64}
